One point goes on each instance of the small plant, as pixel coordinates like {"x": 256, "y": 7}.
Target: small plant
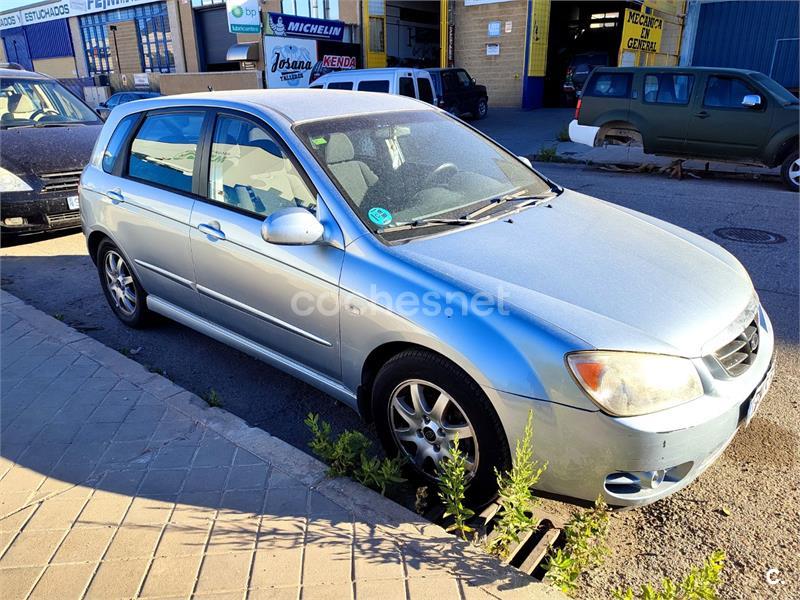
{"x": 58, "y": 316}
{"x": 548, "y": 154}
{"x": 584, "y": 547}
{"x": 453, "y": 488}
{"x": 563, "y": 134}
{"x": 125, "y": 351}
{"x": 158, "y": 371}
{"x": 348, "y": 456}
{"x": 516, "y": 497}
{"x": 701, "y": 583}
{"x": 212, "y": 398}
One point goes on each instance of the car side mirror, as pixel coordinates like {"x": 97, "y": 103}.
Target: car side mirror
{"x": 292, "y": 226}
{"x": 751, "y": 100}
{"x": 104, "y": 104}
{"x": 525, "y": 161}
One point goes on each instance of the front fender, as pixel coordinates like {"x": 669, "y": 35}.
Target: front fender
{"x": 776, "y": 149}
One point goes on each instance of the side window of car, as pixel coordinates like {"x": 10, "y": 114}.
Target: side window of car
{"x": 726, "y": 92}
{"x": 340, "y": 85}
{"x": 463, "y": 79}
{"x": 449, "y": 81}
{"x": 164, "y": 148}
{"x": 425, "y": 90}
{"x": 116, "y": 142}
{"x": 374, "y": 85}
{"x": 668, "y": 88}
{"x": 250, "y": 171}
{"x": 407, "y": 87}
{"x": 609, "y": 85}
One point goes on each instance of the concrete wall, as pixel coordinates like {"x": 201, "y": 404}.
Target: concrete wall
{"x": 3, "y": 57}
{"x": 77, "y": 44}
{"x": 184, "y": 83}
{"x": 177, "y": 37}
{"x": 62, "y": 67}
{"x": 502, "y": 74}
{"x": 188, "y": 35}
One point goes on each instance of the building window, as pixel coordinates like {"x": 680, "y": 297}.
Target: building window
{"x": 154, "y": 39}
{"x": 318, "y": 9}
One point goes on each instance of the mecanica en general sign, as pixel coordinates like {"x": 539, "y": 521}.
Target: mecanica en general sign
{"x": 283, "y": 25}
{"x": 641, "y": 32}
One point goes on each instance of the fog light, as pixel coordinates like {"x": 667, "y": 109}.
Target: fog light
{"x": 14, "y": 221}
{"x": 653, "y": 478}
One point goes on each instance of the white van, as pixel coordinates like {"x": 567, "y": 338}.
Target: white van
{"x": 415, "y": 83}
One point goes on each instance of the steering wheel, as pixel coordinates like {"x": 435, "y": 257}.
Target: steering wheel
{"x": 438, "y": 173}
{"x": 41, "y": 113}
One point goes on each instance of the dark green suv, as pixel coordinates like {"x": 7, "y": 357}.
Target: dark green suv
{"x": 693, "y": 112}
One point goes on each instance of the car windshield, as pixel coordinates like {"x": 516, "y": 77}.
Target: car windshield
{"x": 40, "y": 103}
{"x": 400, "y": 168}
{"x": 780, "y": 92}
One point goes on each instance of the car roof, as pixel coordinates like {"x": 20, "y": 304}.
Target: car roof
{"x": 723, "y": 70}
{"x": 385, "y": 71}
{"x": 20, "y": 73}
{"x": 293, "y": 105}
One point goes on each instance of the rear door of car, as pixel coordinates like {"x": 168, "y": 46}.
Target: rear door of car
{"x": 663, "y": 103}
{"x": 285, "y": 298}
{"x": 149, "y": 196}
{"x": 606, "y": 97}
{"x": 720, "y": 126}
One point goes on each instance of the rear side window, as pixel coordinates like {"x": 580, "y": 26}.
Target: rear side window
{"x": 425, "y": 91}
{"x": 376, "y": 85}
{"x": 117, "y": 141}
{"x": 340, "y": 85}
{"x": 726, "y": 92}
{"x": 609, "y": 85}
{"x": 163, "y": 150}
{"x": 667, "y": 88}
{"x": 407, "y": 87}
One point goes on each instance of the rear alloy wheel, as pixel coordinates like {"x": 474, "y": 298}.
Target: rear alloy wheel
{"x": 483, "y": 108}
{"x": 421, "y": 402}
{"x": 790, "y": 171}
{"x": 123, "y": 292}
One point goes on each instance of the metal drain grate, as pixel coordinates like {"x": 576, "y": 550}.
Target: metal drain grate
{"x": 749, "y": 236}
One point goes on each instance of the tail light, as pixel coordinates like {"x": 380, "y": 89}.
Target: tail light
{"x": 578, "y": 109}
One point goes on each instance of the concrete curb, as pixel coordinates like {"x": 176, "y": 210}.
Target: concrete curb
{"x": 385, "y": 514}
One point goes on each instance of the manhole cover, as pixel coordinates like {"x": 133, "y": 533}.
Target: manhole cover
{"x": 749, "y": 236}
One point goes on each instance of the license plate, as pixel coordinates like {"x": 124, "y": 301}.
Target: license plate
{"x": 759, "y": 394}
{"x": 73, "y": 202}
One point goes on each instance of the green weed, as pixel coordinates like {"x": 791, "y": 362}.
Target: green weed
{"x": 548, "y": 154}
{"x": 453, "y": 488}
{"x": 212, "y": 398}
{"x": 701, "y": 583}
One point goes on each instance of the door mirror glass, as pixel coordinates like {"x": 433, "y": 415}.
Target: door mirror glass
{"x": 751, "y": 100}
{"x": 292, "y": 226}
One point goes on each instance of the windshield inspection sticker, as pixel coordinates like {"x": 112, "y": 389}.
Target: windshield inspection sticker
{"x": 380, "y": 216}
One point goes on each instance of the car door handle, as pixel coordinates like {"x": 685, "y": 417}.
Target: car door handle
{"x": 115, "y": 196}
{"x": 702, "y": 115}
{"x": 211, "y": 231}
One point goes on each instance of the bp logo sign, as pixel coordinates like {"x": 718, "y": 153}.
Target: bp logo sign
{"x": 243, "y": 16}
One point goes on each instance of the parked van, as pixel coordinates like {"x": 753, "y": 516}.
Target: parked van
{"x": 414, "y": 83}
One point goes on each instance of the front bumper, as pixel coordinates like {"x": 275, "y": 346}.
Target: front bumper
{"x": 38, "y": 212}
{"x": 591, "y": 454}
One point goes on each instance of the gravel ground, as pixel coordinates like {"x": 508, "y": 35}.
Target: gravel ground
{"x": 756, "y": 480}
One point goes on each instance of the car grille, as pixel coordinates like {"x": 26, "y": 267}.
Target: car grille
{"x": 737, "y": 355}
{"x": 64, "y": 219}
{"x": 65, "y": 181}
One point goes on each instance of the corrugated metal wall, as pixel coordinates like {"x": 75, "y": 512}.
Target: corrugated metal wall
{"x": 49, "y": 39}
{"x": 16, "y": 44}
{"x": 755, "y": 35}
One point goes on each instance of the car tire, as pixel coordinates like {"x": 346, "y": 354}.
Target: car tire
{"x": 482, "y": 109}
{"x": 122, "y": 289}
{"x": 467, "y": 408}
{"x": 790, "y": 171}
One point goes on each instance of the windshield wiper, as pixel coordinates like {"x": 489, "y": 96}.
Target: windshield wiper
{"x": 433, "y": 222}
{"x": 526, "y": 200}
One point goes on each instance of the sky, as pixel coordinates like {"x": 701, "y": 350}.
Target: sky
{"x": 11, "y": 4}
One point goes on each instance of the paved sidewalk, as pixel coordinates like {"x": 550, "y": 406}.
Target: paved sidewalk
{"x": 116, "y": 483}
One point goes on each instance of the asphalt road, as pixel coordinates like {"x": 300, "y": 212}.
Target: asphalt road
{"x": 756, "y": 480}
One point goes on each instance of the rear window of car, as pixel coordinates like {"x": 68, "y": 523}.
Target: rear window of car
{"x": 374, "y": 85}
{"x": 425, "y": 90}
{"x": 116, "y": 142}
{"x": 164, "y": 149}
{"x": 668, "y": 88}
{"x": 609, "y": 85}
{"x": 340, "y": 85}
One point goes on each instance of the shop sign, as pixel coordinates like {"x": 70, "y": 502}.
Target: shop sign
{"x": 244, "y": 16}
{"x": 335, "y": 56}
{"x": 492, "y": 49}
{"x": 641, "y": 32}
{"x": 289, "y": 61}
{"x": 50, "y": 12}
{"x": 284, "y": 25}
{"x": 9, "y": 20}
{"x": 493, "y": 29}
{"x": 92, "y": 6}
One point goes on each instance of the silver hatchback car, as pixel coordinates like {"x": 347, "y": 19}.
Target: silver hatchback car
{"x": 412, "y": 268}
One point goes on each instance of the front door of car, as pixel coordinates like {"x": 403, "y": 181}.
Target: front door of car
{"x": 469, "y": 91}
{"x": 722, "y": 125}
{"x": 283, "y": 297}
{"x": 665, "y": 110}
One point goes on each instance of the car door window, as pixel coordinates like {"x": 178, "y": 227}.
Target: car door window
{"x": 374, "y": 85}
{"x": 449, "y": 81}
{"x": 340, "y": 85}
{"x": 425, "y": 90}
{"x": 116, "y": 142}
{"x": 407, "y": 87}
{"x": 164, "y": 149}
{"x": 668, "y": 88}
{"x": 726, "y": 92}
{"x": 463, "y": 79}
{"x": 250, "y": 171}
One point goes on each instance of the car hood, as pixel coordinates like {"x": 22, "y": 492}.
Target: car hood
{"x": 31, "y": 150}
{"x": 615, "y": 278}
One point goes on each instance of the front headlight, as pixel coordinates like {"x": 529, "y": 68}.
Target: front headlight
{"x": 11, "y": 183}
{"x": 626, "y": 384}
